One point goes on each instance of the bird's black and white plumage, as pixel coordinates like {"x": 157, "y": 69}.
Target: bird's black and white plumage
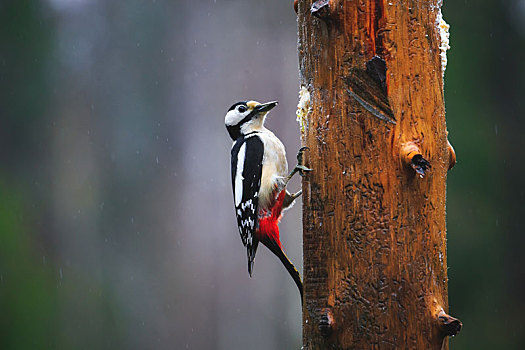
{"x": 246, "y": 157}
{"x": 259, "y": 177}
{"x": 245, "y": 124}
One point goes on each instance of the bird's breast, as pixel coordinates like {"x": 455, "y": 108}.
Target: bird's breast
{"x": 274, "y": 170}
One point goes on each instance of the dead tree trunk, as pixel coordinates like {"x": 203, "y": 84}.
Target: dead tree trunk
{"x": 372, "y": 114}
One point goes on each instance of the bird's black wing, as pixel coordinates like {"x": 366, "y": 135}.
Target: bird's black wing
{"x": 247, "y": 156}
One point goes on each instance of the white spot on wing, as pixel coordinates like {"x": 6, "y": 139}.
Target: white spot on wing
{"x": 238, "y": 175}
{"x": 249, "y": 203}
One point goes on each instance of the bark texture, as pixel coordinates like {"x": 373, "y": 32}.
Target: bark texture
{"x": 375, "y": 267}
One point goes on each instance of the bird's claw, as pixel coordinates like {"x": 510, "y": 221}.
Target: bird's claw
{"x": 300, "y": 167}
{"x": 300, "y": 154}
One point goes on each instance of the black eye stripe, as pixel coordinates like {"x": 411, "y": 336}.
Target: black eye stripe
{"x": 242, "y": 108}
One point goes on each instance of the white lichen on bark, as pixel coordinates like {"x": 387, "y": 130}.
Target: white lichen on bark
{"x": 444, "y": 34}
{"x": 303, "y": 107}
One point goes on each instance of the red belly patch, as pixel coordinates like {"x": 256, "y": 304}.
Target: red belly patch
{"x": 269, "y": 220}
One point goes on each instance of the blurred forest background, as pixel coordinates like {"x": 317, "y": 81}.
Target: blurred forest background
{"x": 117, "y": 229}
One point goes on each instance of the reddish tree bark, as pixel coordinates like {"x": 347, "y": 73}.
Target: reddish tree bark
{"x": 375, "y": 266}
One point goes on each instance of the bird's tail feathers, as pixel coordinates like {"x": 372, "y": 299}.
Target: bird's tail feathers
{"x": 251, "y": 250}
{"x": 277, "y": 250}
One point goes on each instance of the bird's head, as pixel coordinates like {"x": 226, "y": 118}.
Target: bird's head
{"x": 246, "y": 116}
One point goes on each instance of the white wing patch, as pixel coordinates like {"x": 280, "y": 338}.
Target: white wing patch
{"x": 238, "y": 176}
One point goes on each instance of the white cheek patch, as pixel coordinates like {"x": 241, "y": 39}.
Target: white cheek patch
{"x": 232, "y": 118}
{"x": 238, "y": 176}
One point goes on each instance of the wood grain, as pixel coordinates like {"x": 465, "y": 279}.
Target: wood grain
{"x": 375, "y": 266}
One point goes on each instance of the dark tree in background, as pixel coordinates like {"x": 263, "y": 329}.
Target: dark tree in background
{"x": 375, "y": 266}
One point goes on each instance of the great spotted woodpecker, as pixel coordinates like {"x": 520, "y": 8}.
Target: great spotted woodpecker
{"x": 259, "y": 178}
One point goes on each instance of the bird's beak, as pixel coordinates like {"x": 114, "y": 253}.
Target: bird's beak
{"x": 265, "y": 107}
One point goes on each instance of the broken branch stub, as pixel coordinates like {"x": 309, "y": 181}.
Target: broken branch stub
{"x": 412, "y": 157}
{"x": 449, "y": 326}
{"x": 321, "y": 9}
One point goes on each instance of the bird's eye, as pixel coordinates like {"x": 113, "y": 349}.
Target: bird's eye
{"x": 242, "y": 109}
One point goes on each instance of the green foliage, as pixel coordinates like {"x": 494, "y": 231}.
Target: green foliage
{"x": 480, "y": 187}
{"x": 28, "y": 285}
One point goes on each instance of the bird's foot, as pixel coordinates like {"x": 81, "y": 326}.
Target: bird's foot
{"x": 294, "y": 196}
{"x": 300, "y": 167}
{"x": 290, "y": 198}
